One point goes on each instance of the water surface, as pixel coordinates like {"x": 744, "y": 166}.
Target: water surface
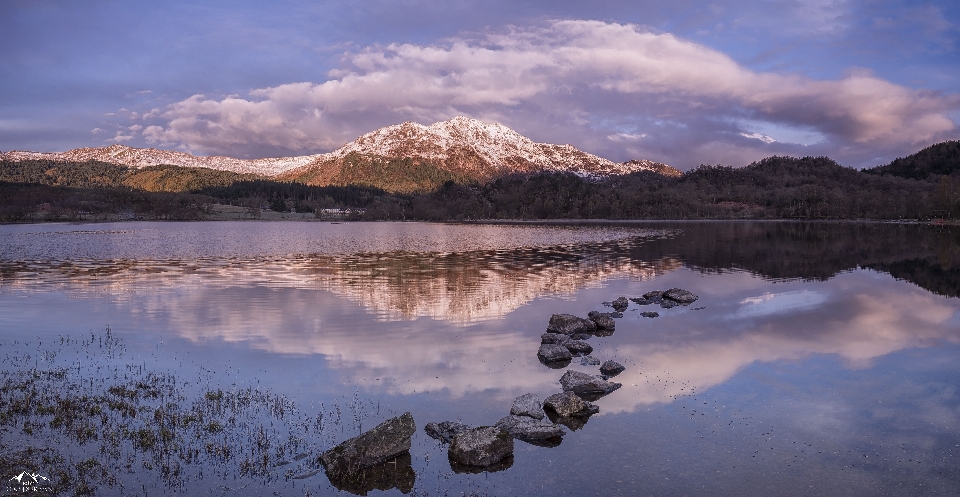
{"x": 820, "y": 358}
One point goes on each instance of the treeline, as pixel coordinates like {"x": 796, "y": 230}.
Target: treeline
{"x": 774, "y": 188}
{"x": 21, "y": 202}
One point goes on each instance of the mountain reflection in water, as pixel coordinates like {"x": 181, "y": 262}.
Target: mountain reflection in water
{"x": 460, "y": 324}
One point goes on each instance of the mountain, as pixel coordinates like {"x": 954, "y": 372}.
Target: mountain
{"x": 940, "y": 159}
{"x": 406, "y": 157}
{"x": 460, "y": 149}
{"x": 145, "y": 157}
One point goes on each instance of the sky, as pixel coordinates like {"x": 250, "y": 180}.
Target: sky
{"x": 680, "y": 82}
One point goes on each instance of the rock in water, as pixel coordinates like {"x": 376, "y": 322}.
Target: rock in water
{"x": 567, "y": 404}
{"x": 668, "y": 304}
{"x": 557, "y": 338}
{"x": 480, "y": 447}
{"x": 680, "y": 296}
{"x": 620, "y": 304}
{"x": 445, "y": 430}
{"x": 569, "y": 324}
{"x": 655, "y": 295}
{"x": 551, "y": 352}
{"x": 527, "y": 405}
{"x": 386, "y": 441}
{"x": 587, "y": 386}
{"x": 650, "y": 314}
{"x": 530, "y": 430}
{"x": 603, "y": 321}
{"x": 611, "y": 368}
{"x": 578, "y": 347}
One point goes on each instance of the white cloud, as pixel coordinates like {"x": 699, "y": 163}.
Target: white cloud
{"x": 587, "y": 71}
{"x": 621, "y": 137}
{"x": 758, "y": 136}
{"x": 120, "y": 138}
{"x": 135, "y": 127}
{"x": 96, "y": 131}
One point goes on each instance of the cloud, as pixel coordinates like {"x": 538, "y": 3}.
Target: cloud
{"x": 594, "y": 82}
{"x": 120, "y": 138}
{"x": 758, "y": 136}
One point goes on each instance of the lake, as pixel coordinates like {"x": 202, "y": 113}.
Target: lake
{"x": 222, "y": 358}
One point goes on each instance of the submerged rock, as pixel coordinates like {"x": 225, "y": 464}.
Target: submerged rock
{"x": 480, "y": 447}
{"x": 620, "y": 304}
{"x": 569, "y": 324}
{"x": 587, "y": 386}
{"x": 445, "y": 430}
{"x": 502, "y": 465}
{"x": 529, "y": 429}
{"x": 655, "y": 295}
{"x": 680, "y": 296}
{"x": 551, "y": 352}
{"x": 650, "y": 314}
{"x": 668, "y": 304}
{"x": 589, "y": 360}
{"x": 567, "y": 404}
{"x": 555, "y": 364}
{"x": 395, "y": 473}
{"x": 528, "y": 405}
{"x": 386, "y": 441}
{"x": 642, "y": 301}
{"x": 611, "y": 368}
{"x": 578, "y": 347}
{"x": 580, "y": 336}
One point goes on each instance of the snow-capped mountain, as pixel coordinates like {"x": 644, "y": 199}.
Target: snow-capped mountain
{"x": 476, "y": 149}
{"x": 463, "y": 146}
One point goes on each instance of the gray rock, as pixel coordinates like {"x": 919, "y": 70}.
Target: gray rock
{"x": 567, "y": 404}
{"x": 650, "y": 314}
{"x": 654, "y": 295}
{"x": 569, "y": 324}
{"x": 529, "y": 429}
{"x": 580, "y": 336}
{"x": 480, "y": 447}
{"x": 620, "y": 304}
{"x": 680, "y": 296}
{"x": 557, "y": 338}
{"x": 668, "y": 304}
{"x": 528, "y": 405}
{"x": 445, "y": 430}
{"x": 578, "y": 347}
{"x": 642, "y": 301}
{"x": 551, "y": 352}
{"x": 603, "y": 321}
{"x": 387, "y": 440}
{"x": 587, "y": 386}
{"x": 611, "y": 368}
{"x": 589, "y": 360}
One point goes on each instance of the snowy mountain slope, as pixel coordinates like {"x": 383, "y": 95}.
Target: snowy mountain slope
{"x": 142, "y": 157}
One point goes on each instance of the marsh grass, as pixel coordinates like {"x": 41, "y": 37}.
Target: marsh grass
{"x": 84, "y": 413}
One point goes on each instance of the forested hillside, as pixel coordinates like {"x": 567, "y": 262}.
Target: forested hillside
{"x": 942, "y": 159}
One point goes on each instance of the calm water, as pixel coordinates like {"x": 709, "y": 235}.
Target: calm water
{"x": 820, "y": 359}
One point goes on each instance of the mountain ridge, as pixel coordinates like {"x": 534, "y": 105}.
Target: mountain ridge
{"x": 459, "y": 149}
